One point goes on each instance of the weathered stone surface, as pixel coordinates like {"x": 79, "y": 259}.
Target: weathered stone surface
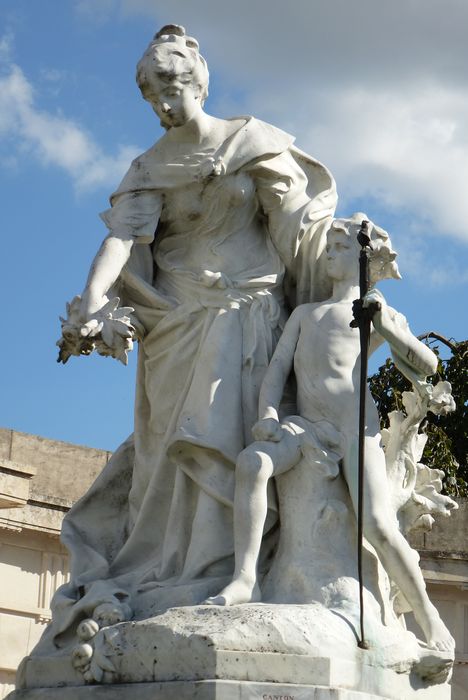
{"x": 34, "y": 517}
{"x": 40, "y": 476}
{"x": 55, "y": 482}
{"x": 268, "y": 643}
{"x": 449, "y": 534}
{"x": 14, "y": 483}
{"x": 222, "y": 690}
{"x": 337, "y": 684}
{"x": 5, "y": 443}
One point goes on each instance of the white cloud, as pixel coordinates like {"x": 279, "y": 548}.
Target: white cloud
{"x": 429, "y": 261}
{"x": 52, "y": 138}
{"x": 317, "y": 41}
{"x": 409, "y": 155}
{"x": 6, "y": 46}
{"x": 378, "y": 91}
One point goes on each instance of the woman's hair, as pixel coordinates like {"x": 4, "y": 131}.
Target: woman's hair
{"x": 172, "y": 53}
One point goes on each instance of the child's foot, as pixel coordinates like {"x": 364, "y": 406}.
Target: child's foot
{"x": 440, "y": 638}
{"x": 437, "y": 635}
{"x": 239, "y": 591}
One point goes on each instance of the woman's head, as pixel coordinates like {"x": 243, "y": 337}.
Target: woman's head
{"x": 171, "y": 66}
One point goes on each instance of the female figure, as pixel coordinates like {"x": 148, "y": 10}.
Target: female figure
{"x": 211, "y": 234}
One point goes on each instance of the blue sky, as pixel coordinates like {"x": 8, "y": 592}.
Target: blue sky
{"x": 377, "y": 91}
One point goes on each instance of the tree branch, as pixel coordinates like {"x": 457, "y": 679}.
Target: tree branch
{"x": 431, "y": 334}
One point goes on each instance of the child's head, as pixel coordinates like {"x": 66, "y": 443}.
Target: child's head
{"x": 342, "y": 239}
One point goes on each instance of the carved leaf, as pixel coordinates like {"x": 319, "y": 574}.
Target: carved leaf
{"x": 109, "y": 331}
{"x": 97, "y": 671}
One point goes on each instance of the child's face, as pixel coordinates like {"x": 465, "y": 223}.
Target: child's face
{"x": 342, "y": 256}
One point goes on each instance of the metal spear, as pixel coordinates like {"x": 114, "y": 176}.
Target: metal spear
{"x": 362, "y": 319}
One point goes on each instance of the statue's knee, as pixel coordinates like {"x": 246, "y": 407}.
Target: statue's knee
{"x": 249, "y": 465}
{"x": 377, "y": 530}
{"x": 247, "y": 461}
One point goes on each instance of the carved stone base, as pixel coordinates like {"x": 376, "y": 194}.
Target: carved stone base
{"x": 238, "y": 690}
{"x": 279, "y": 646}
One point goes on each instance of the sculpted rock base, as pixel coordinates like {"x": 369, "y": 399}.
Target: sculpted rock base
{"x": 252, "y": 651}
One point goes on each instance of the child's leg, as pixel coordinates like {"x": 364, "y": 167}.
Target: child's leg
{"x": 255, "y": 466}
{"x": 381, "y": 529}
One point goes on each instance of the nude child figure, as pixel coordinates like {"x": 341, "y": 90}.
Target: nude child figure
{"x": 323, "y": 349}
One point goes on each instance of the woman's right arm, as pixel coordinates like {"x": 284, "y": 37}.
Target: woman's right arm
{"x": 132, "y": 219}
{"x": 105, "y": 269}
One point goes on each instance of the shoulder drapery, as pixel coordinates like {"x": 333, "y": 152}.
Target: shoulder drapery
{"x": 169, "y": 518}
{"x": 296, "y": 192}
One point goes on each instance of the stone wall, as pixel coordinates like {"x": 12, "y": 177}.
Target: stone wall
{"x": 39, "y": 481}
{"x": 444, "y": 561}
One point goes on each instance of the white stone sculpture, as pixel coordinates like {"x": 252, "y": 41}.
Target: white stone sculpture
{"x": 323, "y": 349}
{"x": 207, "y": 232}
{"x": 215, "y": 234}
{"x": 108, "y": 331}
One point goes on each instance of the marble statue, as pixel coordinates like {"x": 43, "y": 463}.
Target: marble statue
{"x": 210, "y": 231}
{"x": 215, "y": 235}
{"x": 323, "y": 349}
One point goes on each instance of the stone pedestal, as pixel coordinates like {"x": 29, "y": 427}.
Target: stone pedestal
{"x": 245, "y": 652}
{"x": 391, "y": 688}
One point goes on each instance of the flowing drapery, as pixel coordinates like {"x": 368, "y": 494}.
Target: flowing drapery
{"x": 156, "y": 527}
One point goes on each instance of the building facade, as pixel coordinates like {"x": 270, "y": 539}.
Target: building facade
{"x": 39, "y": 480}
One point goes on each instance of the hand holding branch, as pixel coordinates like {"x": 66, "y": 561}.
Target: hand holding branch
{"x": 109, "y": 331}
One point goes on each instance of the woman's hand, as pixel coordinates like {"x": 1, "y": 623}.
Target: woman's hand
{"x": 109, "y": 331}
{"x": 267, "y": 429}
{"x": 90, "y": 303}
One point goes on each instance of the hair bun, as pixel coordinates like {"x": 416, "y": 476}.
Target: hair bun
{"x": 176, "y": 29}
{"x": 175, "y": 32}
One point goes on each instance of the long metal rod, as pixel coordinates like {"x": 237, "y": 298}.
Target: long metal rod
{"x": 364, "y": 341}
{"x": 364, "y": 336}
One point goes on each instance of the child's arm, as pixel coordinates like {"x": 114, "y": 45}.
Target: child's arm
{"x": 271, "y": 391}
{"x": 393, "y": 327}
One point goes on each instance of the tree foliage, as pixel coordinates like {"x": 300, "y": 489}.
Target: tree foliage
{"x": 447, "y": 443}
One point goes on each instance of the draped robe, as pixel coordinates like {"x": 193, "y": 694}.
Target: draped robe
{"x": 226, "y": 240}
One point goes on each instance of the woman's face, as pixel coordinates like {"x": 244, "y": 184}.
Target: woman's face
{"x": 174, "y": 98}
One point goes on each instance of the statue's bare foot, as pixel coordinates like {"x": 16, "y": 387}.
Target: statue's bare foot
{"x": 440, "y": 638}
{"x": 239, "y": 591}
{"x": 437, "y": 635}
